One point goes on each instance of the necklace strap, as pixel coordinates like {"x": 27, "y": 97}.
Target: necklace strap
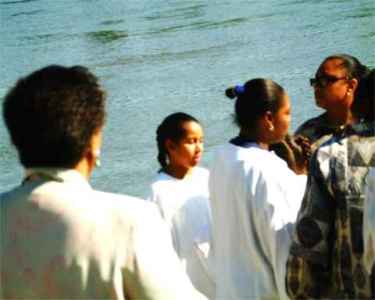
{"x": 243, "y": 142}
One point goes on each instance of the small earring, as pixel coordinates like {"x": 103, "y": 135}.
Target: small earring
{"x": 97, "y": 158}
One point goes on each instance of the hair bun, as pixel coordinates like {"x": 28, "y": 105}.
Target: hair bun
{"x": 234, "y": 91}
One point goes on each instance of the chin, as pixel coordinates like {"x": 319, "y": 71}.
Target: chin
{"x": 279, "y": 140}
{"x": 195, "y": 163}
{"x": 320, "y": 103}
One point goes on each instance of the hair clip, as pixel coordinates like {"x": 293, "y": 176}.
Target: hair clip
{"x": 239, "y": 89}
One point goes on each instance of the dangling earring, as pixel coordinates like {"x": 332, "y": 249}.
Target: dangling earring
{"x": 97, "y": 158}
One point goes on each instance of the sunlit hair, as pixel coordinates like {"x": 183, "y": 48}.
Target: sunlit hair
{"x": 52, "y": 114}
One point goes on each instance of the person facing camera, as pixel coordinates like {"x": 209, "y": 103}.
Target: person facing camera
{"x": 60, "y": 238}
{"x": 335, "y": 83}
{"x": 180, "y": 191}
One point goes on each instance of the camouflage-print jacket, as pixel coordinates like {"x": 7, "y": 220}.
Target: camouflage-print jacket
{"x": 326, "y": 256}
{"x": 318, "y": 130}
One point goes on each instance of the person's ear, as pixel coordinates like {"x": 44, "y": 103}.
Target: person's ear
{"x": 94, "y": 148}
{"x": 268, "y": 118}
{"x": 352, "y": 85}
{"x": 169, "y": 145}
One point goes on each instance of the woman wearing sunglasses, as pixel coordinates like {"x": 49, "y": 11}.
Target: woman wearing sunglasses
{"x": 332, "y": 255}
{"x": 335, "y": 83}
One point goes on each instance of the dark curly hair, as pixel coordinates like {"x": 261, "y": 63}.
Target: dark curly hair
{"x": 52, "y": 114}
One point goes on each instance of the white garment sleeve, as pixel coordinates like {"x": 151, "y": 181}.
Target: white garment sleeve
{"x": 277, "y": 196}
{"x": 156, "y": 272}
{"x": 157, "y": 201}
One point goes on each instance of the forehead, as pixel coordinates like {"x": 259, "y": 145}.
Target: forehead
{"x": 192, "y": 128}
{"x": 285, "y": 102}
{"x": 333, "y": 67}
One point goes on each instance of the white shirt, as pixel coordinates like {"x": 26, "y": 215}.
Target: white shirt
{"x": 60, "y": 239}
{"x": 255, "y": 199}
{"x": 184, "y": 205}
{"x": 369, "y": 219}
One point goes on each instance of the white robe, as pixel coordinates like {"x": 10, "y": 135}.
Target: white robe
{"x": 255, "y": 199}
{"x": 60, "y": 239}
{"x": 184, "y": 205}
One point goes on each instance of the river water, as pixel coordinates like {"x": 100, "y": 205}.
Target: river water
{"x": 156, "y": 57}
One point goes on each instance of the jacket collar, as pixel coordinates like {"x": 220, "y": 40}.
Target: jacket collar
{"x": 361, "y": 128}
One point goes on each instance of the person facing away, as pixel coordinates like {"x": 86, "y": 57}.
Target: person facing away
{"x": 254, "y": 197}
{"x": 180, "y": 191}
{"x": 60, "y": 238}
{"x": 334, "y": 87}
{"x": 327, "y": 257}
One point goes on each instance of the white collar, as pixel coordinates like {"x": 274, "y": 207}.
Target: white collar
{"x": 57, "y": 174}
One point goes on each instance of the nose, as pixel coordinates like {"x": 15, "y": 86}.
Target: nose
{"x": 317, "y": 92}
{"x": 199, "y": 147}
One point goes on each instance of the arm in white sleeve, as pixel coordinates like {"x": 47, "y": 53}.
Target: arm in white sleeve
{"x": 277, "y": 195}
{"x": 155, "y": 268}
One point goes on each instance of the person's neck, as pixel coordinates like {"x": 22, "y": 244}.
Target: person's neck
{"x": 84, "y": 167}
{"x": 177, "y": 171}
{"x": 250, "y": 135}
{"x": 338, "y": 117}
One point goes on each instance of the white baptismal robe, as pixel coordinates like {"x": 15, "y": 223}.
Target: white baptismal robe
{"x": 184, "y": 205}
{"x": 254, "y": 199}
{"x": 60, "y": 239}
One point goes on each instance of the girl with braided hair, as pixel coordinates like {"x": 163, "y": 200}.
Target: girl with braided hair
{"x": 254, "y": 196}
{"x": 180, "y": 191}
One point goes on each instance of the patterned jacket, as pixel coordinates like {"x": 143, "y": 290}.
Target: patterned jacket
{"x": 326, "y": 257}
{"x": 318, "y": 130}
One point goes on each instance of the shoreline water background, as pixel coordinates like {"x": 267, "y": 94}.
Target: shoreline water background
{"x": 156, "y": 57}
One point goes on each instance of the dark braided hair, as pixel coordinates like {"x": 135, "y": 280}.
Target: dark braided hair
{"x": 171, "y": 128}
{"x": 253, "y": 99}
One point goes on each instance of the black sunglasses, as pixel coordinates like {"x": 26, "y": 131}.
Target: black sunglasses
{"x": 323, "y": 81}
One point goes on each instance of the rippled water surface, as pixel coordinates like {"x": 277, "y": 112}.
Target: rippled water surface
{"x": 155, "y": 57}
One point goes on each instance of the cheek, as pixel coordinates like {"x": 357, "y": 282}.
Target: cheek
{"x": 192, "y": 150}
{"x": 330, "y": 95}
{"x": 321, "y": 97}
{"x": 284, "y": 120}
{"x": 286, "y": 123}
{"x": 186, "y": 152}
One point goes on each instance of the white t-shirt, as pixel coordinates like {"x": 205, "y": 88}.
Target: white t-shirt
{"x": 184, "y": 205}
{"x": 254, "y": 199}
{"x": 369, "y": 219}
